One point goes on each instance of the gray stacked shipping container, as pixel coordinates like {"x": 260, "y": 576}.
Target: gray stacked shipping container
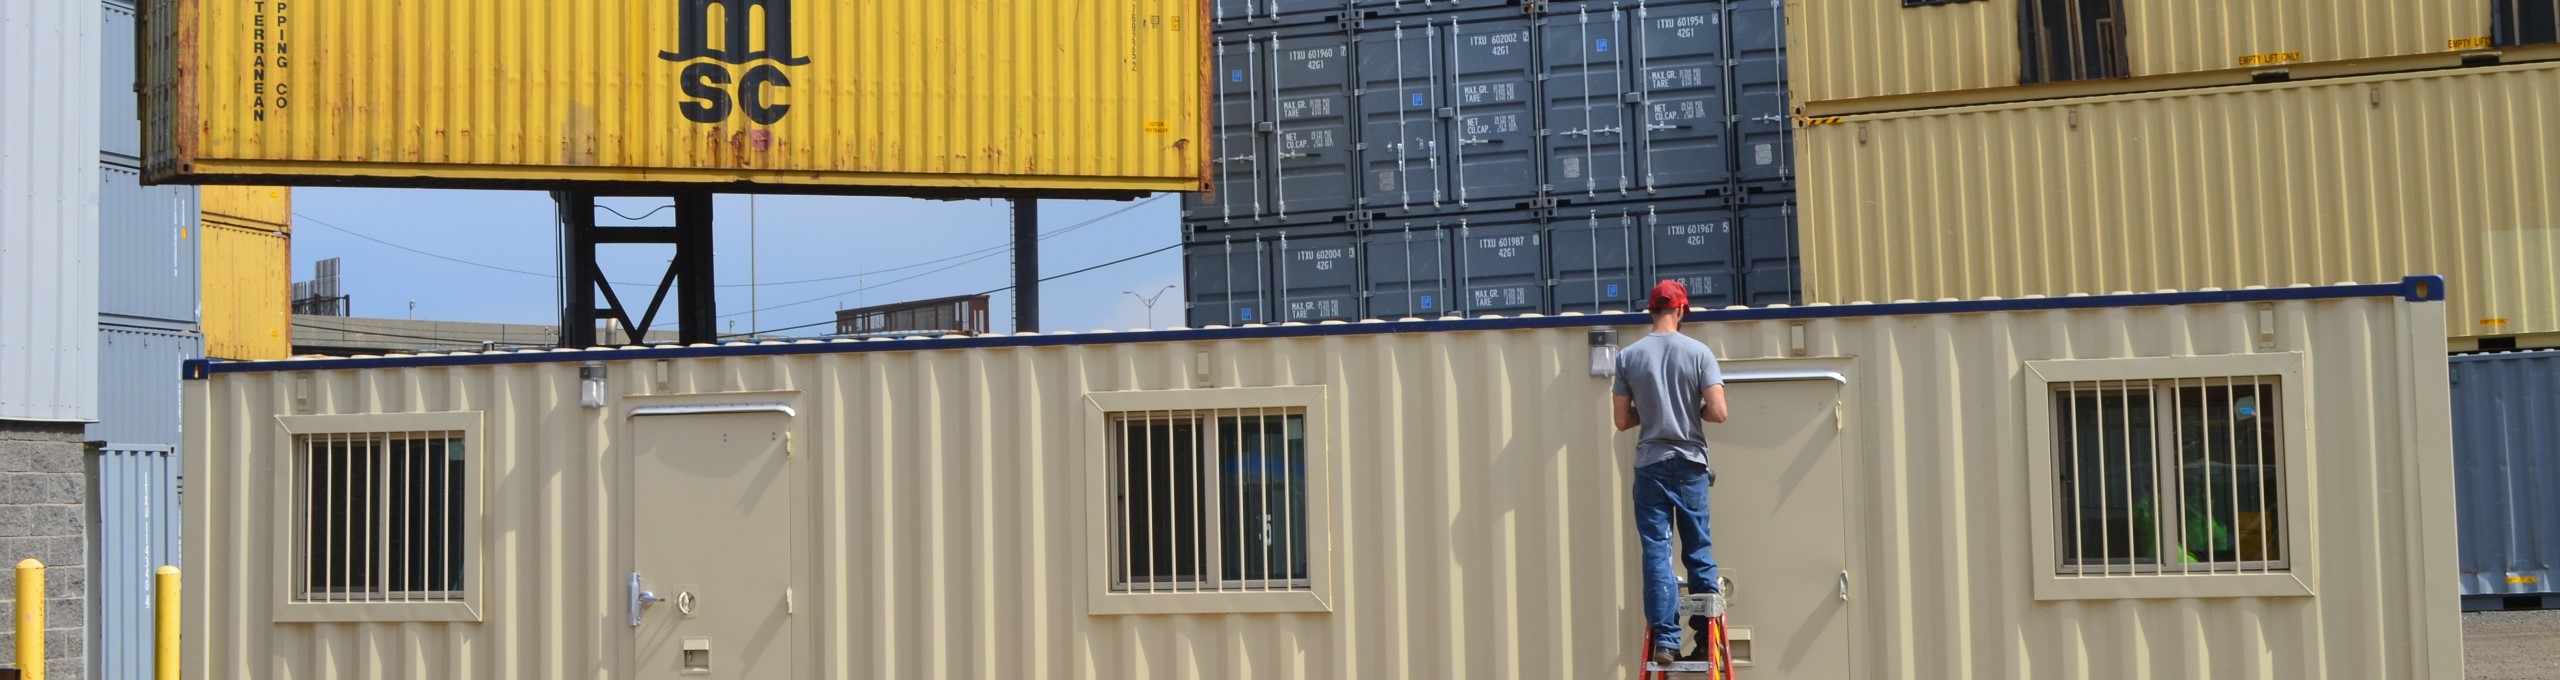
{"x": 148, "y": 298}
{"x": 1394, "y": 158}
{"x": 2506, "y": 451}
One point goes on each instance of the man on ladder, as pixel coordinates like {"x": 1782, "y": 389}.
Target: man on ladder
{"x": 1667, "y": 383}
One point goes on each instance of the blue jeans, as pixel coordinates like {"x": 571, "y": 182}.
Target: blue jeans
{"x": 1672, "y": 495}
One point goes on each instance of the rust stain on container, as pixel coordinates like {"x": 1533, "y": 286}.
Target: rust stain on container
{"x": 370, "y": 89}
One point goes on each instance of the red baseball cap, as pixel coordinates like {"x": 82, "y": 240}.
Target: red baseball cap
{"x": 1669, "y": 294}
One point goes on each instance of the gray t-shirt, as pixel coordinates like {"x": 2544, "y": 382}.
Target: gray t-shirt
{"x": 1667, "y": 374}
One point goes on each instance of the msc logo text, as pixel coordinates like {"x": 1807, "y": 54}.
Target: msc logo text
{"x": 706, "y": 79}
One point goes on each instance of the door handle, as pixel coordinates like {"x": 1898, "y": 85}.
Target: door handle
{"x": 640, "y": 599}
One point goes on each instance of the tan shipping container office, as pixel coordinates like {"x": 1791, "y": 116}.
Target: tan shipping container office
{"x": 2338, "y": 180}
{"x": 248, "y": 272}
{"x": 1857, "y": 57}
{"x": 1426, "y": 499}
{"x": 885, "y": 96}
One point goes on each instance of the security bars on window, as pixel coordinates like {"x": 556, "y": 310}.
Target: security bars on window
{"x": 378, "y": 517}
{"x": 1209, "y": 500}
{"x": 2169, "y": 477}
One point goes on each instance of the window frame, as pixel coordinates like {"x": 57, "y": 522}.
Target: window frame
{"x": 1106, "y": 598}
{"x": 288, "y": 430}
{"x": 2299, "y": 539}
{"x": 2115, "y": 55}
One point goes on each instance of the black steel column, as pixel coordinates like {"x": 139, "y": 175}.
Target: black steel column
{"x": 1026, "y": 265}
{"x": 697, "y": 306}
{"x": 577, "y": 258}
{"x": 688, "y": 275}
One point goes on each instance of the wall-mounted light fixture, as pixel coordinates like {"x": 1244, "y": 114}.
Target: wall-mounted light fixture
{"x": 1604, "y": 353}
{"x": 591, "y": 384}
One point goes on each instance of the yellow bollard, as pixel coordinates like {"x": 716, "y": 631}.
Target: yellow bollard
{"x": 30, "y": 619}
{"x": 164, "y": 659}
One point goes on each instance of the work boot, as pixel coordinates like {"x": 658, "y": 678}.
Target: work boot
{"x": 1666, "y": 655}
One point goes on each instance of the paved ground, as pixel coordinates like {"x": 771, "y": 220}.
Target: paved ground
{"x": 2511, "y": 645}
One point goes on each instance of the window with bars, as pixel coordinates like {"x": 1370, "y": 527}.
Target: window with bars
{"x": 2169, "y": 476}
{"x": 379, "y": 517}
{"x": 1209, "y": 500}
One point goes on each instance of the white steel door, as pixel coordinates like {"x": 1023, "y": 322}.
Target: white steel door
{"x": 711, "y": 594}
{"x": 1779, "y": 521}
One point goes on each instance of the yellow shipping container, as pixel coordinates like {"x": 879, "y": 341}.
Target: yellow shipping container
{"x": 889, "y": 96}
{"x": 270, "y": 206}
{"x": 1862, "y": 57}
{"x": 2338, "y": 180}
{"x": 248, "y": 290}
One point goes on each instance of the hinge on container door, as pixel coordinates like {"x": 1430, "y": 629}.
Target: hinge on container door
{"x": 790, "y": 606}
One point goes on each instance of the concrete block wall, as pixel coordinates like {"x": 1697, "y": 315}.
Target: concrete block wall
{"x": 43, "y": 514}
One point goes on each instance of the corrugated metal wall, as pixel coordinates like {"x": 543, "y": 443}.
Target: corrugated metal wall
{"x": 119, "y": 121}
{"x": 49, "y": 211}
{"x": 272, "y": 206}
{"x": 248, "y": 275}
{"x": 137, "y": 533}
{"x": 148, "y": 250}
{"x": 1856, "y": 50}
{"x": 138, "y": 372}
{"x": 2317, "y": 182}
{"x": 1485, "y": 530}
{"x": 2506, "y": 448}
{"x": 903, "y": 94}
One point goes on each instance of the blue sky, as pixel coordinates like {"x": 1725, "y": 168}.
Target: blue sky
{"x": 796, "y": 238}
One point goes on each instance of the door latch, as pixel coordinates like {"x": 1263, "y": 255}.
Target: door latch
{"x": 640, "y": 599}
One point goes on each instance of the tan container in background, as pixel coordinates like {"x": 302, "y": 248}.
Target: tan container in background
{"x": 1846, "y": 51}
{"x": 248, "y": 290}
{"x": 2355, "y": 179}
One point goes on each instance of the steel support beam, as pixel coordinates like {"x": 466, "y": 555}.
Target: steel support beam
{"x": 582, "y": 280}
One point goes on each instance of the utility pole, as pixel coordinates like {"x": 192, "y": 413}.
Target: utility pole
{"x": 1026, "y": 265}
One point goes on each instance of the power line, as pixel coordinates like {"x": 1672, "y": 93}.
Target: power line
{"x": 980, "y": 252}
{"x": 1044, "y": 279}
{"x": 978, "y": 255}
{"x": 378, "y": 334}
{"x": 643, "y": 216}
{"x": 354, "y": 233}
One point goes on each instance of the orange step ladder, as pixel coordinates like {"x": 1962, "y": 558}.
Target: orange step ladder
{"x": 1717, "y": 644}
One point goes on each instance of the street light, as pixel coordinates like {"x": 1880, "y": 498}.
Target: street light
{"x": 1150, "y": 302}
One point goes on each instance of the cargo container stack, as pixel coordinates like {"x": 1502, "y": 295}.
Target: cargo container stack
{"x": 150, "y": 254}
{"x": 1959, "y": 149}
{"x": 1424, "y": 158}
